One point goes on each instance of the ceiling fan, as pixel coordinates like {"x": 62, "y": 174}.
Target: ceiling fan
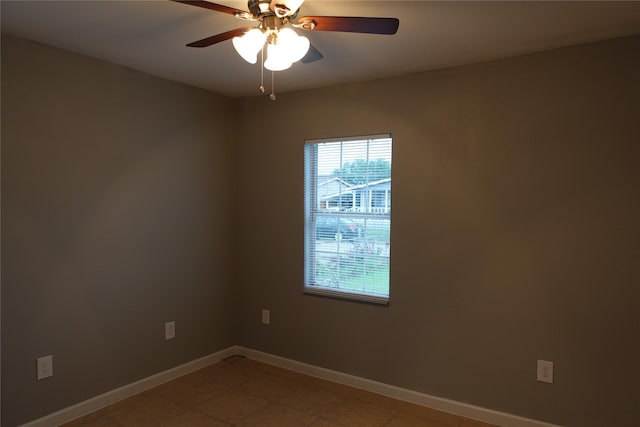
{"x": 283, "y": 45}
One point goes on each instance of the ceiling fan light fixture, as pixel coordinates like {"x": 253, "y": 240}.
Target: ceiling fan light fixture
{"x": 283, "y": 45}
{"x": 250, "y": 44}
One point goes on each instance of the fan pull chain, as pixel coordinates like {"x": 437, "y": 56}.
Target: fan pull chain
{"x": 272, "y": 95}
{"x": 261, "y": 88}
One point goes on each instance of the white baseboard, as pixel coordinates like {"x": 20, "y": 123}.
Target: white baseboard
{"x": 83, "y": 408}
{"x": 433, "y": 402}
{"x": 453, "y": 407}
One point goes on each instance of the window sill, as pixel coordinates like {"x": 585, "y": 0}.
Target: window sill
{"x": 346, "y": 295}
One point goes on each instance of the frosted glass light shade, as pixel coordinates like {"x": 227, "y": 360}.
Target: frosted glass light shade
{"x": 289, "y": 48}
{"x": 277, "y": 58}
{"x": 295, "y": 45}
{"x": 250, "y": 44}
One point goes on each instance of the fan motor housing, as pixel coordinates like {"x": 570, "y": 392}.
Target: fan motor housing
{"x": 259, "y": 7}
{"x": 281, "y": 8}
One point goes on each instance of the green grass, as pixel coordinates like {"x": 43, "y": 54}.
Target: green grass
{"x": 378, "y": 234}
{"x": 368, "y": 274}
{"x": 375, "y": 282}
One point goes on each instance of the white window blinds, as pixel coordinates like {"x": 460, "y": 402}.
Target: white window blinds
{"x": 348, "y": 217}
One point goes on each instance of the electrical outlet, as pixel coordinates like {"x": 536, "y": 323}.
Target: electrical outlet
{"x": 545, "y": 371}
{"x": 170, "y": 330}
{"x": 266, "y": 316}
{"x": 44, "y": 367}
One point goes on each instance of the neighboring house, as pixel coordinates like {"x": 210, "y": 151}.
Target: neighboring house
{"x": 330, "y": 185}
{"x": 374, "y": 197}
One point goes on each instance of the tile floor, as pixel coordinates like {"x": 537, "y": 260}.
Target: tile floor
{"x": 242, "y": 392}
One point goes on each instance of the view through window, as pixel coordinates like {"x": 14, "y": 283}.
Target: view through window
{"x": 348, "y": 217}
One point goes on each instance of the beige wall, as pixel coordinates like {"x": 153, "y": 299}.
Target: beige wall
{"x": 116, "y": 213}
{"x": 514, "y": 230}
{"x": 515, "y": 233}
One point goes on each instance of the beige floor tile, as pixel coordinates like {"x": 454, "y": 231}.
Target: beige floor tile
{"x": 375, "y": 399}
{"x": 404, "y": 420}
{"x": 275, "y": 415}
{"x": 145, "y": 409}
{"x": 232, "y": 406}
{"x": 92, "y": 420}
{"x": 190, "y": 391}
{"x": 315, "y": 401}
{"x": 434, "y": 416}
{"x": 228, "y": 374}
{"x": 194, "y": 419}
{"x": 246, "y": 393}
{"x": 270, "y": 387}
{"x": 337, "y": 388}
{"x": 358, "y": 413}
{"x": 282, "y": 373}
{"x": 264, "y": 368}
{"x": 321, "y": 422}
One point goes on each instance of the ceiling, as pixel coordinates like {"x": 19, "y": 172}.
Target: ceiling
{"x": 150, "y": 36}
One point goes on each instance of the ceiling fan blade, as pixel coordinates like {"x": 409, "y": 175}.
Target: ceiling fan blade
{"x": 312, "y": 55}
{"x": 219, "y": 37}
{"x": 212, "y": 6}
{"x": 350, "y": 24}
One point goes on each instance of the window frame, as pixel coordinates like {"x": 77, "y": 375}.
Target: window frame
{"x": 311, "y": 212}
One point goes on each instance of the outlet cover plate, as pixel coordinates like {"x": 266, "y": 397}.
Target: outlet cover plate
{"x": 266, "y": 316}
{"x": 170, "y": 330}
{"x": 545, "y": 371}
{"x": 44, "y": 367}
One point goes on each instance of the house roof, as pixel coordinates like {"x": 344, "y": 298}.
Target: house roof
{"x": 382, "y": 184}
{"x": 329, "y": 179}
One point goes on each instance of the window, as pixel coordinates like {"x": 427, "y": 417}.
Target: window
{"x": 348, "y": 218}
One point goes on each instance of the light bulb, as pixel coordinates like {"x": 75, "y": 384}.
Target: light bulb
{"x": 250, "y": 44}
{"x": 277, "y": 58}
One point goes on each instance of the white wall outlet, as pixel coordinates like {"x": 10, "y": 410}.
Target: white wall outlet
{"x": 170, "y": 330}
{"x": 44, "y": 367}
{"x": 266, "y": 317}
{"x": 545, "y": 371}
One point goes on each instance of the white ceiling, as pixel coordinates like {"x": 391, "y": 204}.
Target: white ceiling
{"x": 150, "y": 36}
